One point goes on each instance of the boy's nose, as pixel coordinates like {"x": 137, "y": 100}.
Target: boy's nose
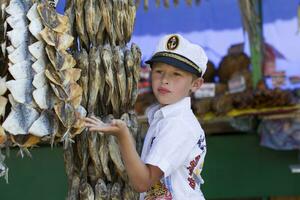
{"x": 164, "y": 78}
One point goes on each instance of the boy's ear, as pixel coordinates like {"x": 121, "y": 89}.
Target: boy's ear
{"x": 197, "y": 84}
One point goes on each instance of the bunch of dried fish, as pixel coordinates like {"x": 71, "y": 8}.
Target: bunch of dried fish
{"x": 23, "y": 111}
{"x": 60, "y": 74}
{"x": 109, "y": 78}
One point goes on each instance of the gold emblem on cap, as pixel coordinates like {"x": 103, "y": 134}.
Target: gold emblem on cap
{"x": 173, "y": 42}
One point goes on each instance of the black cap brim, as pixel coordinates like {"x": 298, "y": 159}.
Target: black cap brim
{"x": 174, "y": 62}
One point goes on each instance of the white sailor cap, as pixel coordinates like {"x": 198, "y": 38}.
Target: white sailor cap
{"x": 177, "y": 51}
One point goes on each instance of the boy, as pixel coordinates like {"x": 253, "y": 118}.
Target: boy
{"x": 174, "y": 146}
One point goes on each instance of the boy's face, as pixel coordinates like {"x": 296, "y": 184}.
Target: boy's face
{"x": 171, "y": 84}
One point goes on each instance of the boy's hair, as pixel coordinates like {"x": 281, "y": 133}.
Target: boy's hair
{"x": 177, "y": 51}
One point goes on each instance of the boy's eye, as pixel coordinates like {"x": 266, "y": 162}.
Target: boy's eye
{"x": 158, "y": 71}
{"x": 177, "y": 74}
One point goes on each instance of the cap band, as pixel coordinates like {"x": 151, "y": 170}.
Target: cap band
{"x": 178, "y": 57}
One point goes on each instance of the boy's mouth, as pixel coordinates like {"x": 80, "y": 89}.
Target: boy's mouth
{"x": 163, "y": 90}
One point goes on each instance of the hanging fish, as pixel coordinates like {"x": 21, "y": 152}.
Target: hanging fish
{"x": 93, "y": 146}
{"x": 70, "y": 13}
{"x": 18, "y": 6}
{"x": 18, "y": 36}
{"x": 166, "y": 3}
{"x": 91, "y": 19}
{"x": 80, "y": 23}
{"x": 20, "y": 119}
{"x": 39, "y": 65}
{"x": 60, "y": 59}
{"x": 46, "y": 124}
{"x": 101, "y": 192}
{"x": 157, "y": 3}
{"x": 61, "y": 41}
{"x": 131, "y": 19}
{"x": 129, "y": 64}
{"x": 86, "y": 192}
{"x": 21, "y": 70}
{"x": 37, "y": 49}
{"x": 116, "y": 191}
{"x": 21, "y": 90}
{"x": 52, "y": 19}
{"x": 44, "y": 97}
{"x": 106, "y": 56}
{"x": 19, "y": 54}
{"x": 189, "y": 2}
{"x": 136, "y": 52}
{"x": 107, "y": 14}
{"x": 3, "y": 102}
{"x": 83, "y": 64}
{"x": 94, "y": 78}
{"x": 115, "y": 156}
{"x": 198, "y": 2}
{"x": 104, "y": 156}
{"x": 146, "y": 4}
{"x": 35, "y": 27}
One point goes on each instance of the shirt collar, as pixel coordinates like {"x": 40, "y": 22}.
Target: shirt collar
{"x": 178, "y": 107}
{"x": 169, "y": 110}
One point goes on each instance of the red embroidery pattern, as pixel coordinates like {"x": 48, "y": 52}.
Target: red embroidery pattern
{"x": 191, "y": 168}
{"x": 158, "y": 192}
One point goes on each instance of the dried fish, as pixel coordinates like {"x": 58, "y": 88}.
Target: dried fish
{"x": 166, "y": 3}
{"x": 39, "y": 80}
{"x": 157, "y": 3}
{"x": 146, "y": 4}
{"x": 86, "y": 192}
{"x": 17, "y": 36}
{"x": 46, "y": 124}
{"x": 70, "y": 13}
{"x": 18, "y": 6}
{"x": 3, "y": 87}
{"x": 37, "y": 49}
{"x": 44, "y": 97}
{"x": 53, "y": 20}
{"x": 118, "y": 9}
{"x": 35, "y": 27}
{"x": 21, "y": 70}
{"x": 176, "y": 2}
{"x": 104, "y": 157}
{"x": 90, "y": 9}
{"x": 94, "y": 78}
{"x": 21, "y": 90}
{"x": 32, "y": 13}
{"x": 65, "y": 113}
{"x": 115, "y": 191}
{"x": 136, "y": 52}
{"x": 115, "y": 156}
{"x": 20, "y": 119}
{"x": 83, "y": 64}
{"x": 61, "y": 41}
{"x": 101, "y": 192}
{"x": 131, "y": 19}
{"x": 93, "y": 146}
{"x": 3, "y": 139}
{"x": 60, "y": 59}
{"x": 134, "y": 125}
{"x": 129, "y": 193}
{"x": 80, "y": 23}
{"x": 129, "y": 64}
{"x": 120, "y": 72}
{"x": 17, "y": 21}
{"x": 39, "y": 65}
{"x": 75, "y": 94}
{"x": 189, "y": 2}
{"x": 106, "y": 56}
{"x": 107, "y": 12}
{"x": 19, "y": 54}
{"x": 3, "y": 102}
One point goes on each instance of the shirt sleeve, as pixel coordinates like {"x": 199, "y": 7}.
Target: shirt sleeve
{"x": 171, "y": 146}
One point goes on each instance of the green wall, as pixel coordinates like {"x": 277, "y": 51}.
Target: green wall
{"x": 236, "y": 166}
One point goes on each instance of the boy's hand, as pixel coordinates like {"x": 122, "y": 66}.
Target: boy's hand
{"x": 116, "y": 127}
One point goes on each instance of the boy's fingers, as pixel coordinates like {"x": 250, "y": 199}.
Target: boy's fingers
{"x": 96, "y": 119}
